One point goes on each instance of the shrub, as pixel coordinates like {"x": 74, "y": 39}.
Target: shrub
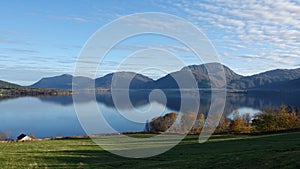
{"x": 224, "y": 125}
{"x": 279, "y": 119}
{"x": 161, "y": 124}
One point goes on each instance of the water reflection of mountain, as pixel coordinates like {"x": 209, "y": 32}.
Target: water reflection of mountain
{"x": 255, "y": 100}
{"x": 262, "y": 100}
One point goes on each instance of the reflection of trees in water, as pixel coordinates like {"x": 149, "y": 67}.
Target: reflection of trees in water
{"x": 2, "y": 98}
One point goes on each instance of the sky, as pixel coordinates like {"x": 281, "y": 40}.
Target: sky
{"x": 44, "y": 38}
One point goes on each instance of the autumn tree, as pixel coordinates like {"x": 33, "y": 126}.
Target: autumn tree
{"x": 224, "y": 125}
{"x": 238, "y": 123}
{"x": 162, "y": 124}
{"x": 196, "y": 129}
{"x": 279, "y": 119}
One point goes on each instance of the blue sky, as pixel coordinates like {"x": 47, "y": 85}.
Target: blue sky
{"x": 44, "y": 38}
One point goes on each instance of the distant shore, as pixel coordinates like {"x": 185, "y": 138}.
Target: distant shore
{"x": 19, "y": 92}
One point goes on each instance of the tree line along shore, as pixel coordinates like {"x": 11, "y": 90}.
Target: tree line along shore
{"x": 271, "y": 120}
{"x": 23, "y": 91}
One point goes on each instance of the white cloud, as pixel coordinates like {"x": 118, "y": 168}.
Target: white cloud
{"x": 21, "y": 50}
{"x": 169, "y": 47}
{"x": 72, "y": 18}
{"x": 11, "y": 37}
{"x": 268, "y": 29}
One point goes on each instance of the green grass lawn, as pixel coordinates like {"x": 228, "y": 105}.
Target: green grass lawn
{"x": 221, "y": 151}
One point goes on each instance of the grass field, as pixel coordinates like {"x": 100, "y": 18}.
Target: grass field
{"x": 221, "y": 151}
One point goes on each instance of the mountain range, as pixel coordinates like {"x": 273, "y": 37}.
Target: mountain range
{"x": 279, "y": 79}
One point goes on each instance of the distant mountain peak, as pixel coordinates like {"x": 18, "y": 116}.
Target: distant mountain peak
{"x": 67, "y": 75}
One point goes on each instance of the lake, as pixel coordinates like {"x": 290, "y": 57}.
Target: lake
{"x": 56, "y": 116}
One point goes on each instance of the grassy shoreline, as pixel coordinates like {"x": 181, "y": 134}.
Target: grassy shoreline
{"x": 143, "y": 133}
{"x": 280, "y": 150}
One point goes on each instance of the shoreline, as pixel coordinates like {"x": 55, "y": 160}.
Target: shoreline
{"x": 148, "y": 133}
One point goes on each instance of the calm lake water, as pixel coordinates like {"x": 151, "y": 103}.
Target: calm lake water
{"x": 55, "y": 116}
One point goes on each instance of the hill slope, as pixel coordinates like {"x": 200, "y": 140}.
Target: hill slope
{"x": 289, "y": 85}
{"x": 4, "y": 84}
{"x": 266, "y": 80}
{"x": 62, "y": 82}
{"x": 138, "y": 81}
